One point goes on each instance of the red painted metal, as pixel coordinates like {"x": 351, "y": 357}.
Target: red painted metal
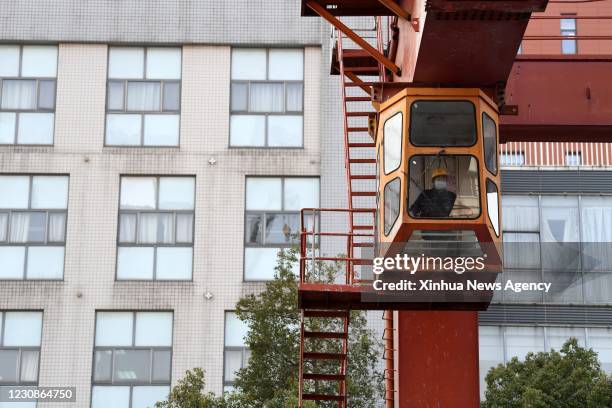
{"x": 437, "y": 359}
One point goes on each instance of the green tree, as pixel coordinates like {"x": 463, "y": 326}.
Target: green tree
{"x": 570, "y": 378}
{"x": 270, "y": 380}
{"x": 271, "y": 377}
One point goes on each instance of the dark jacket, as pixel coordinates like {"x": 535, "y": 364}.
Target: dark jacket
{"x": 433, "y": 203}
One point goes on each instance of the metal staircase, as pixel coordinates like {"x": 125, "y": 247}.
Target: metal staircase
{"x": 324, "y": 332}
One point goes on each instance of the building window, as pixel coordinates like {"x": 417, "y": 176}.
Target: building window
{"x": 568, "y": 29}
{"x": 132, "y": 359}
{"x": 236, "y": 353}
{"x": 512, "y": 158}
{"x": 267, "y": 97}
{"x": 33, "y": 211}
{"x": 143, "y": 96}
{"x": 27, "y": 83}
{"x": 272, "y": 219}
{"x": 155, "y": 239}
{"x": 573, "y": 159}
{"x": 20, "y": 338}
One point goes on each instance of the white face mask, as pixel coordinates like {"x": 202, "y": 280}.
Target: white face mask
{"x": 440, "y": 184}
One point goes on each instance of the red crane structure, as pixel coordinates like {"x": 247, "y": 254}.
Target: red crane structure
{"x": 431, "y": 349}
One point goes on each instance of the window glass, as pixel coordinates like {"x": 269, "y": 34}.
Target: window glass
{"x": 522, "y": 340}
{"x": 115, "y": 91}
{"x": 50, "y": 192}
{"x": 8, "y": 365}
{"x": 392, "y": 203}
{"x": 143, "y": 96}
{"x": 22, "y": 329}
{"x": 248, "y": 63}
{"x": 444, "y": 187}
{"x": 45, "y": 262}
{"x": 556, "y": 336}
{"x": 442, "y": 123}
{"x": 102, "y": 365}
{"x": 18, "y": 94}
{"x": 568, "y": 29}
{"x": 600, "y": 340}
{"x": 104, "y": 397}
{"x": 174, "y": 263}
{"x": 489, "y": 131}
{"x": 9, "y": 55}
{"x": 27, "y": 227}
{"x": 138, "y": 193}
{"x": 29, "y": 365}
{"x": 596, "y": 232}
{"x": 393, "y": 142}
{"x": 14, "y": 191}
{"x": 131, "y": 365}
{"x": 8, "y": 122}
{"x": 176, "y": 193}
{"x": 286, "y": 64}
{"x": 491, "y": 351}
{"x": 163, "y": 63}
{"x": 35, "y": 128}
{"x": 236, "y": 330}
{"x": 39, "y": 61}
{"x": 267, "y": 97}
{"x": 512, "y": 159}
{"x": 184, "y": 228}
{"x": 520, "y": 213}
{"x": 147, "y": 396}
{"x": 522, "y": 250}
{"x": 125, "y": 62}
{"x": 46, "y": 94}
{"x": 240, "y": 92}
{"x": 263, "y": 193}
{"x": 127, "y": 227}
{"x": 3, "y": 227}
{"x": 123, "y": 129}
{"x": 114, "y": 328}
{"x": 247, "y": 130}
{"x": 12, "y": 259}
{"x": 135, "y": 263}
{"x": 285, "y": 130}
{"x": 172, "y": 96}
{"x": 259, "y": 263}
{"x": 300, "y": 193}
{"x": 161, "y": 365}
{"x": 161, "y": 130}
{"x": 295, "y": 96}
{"x": 493, "y": 205}
{"x": 233, "y": 363}
{"x": 560, "y": 233}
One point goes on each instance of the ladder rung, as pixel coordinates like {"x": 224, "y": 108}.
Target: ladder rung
{"x": 326, "y": 313}
{"x": 362, "y": 261}
{"x": 358, "y": 113}
{"x": 324, "y": 356}
{"x": 358, "y": 99}
{"x": 363, "y": 193}
{"x": 357, "y": 129}
{"x": 363, "y": 244}
{"x": 324, "y": 377}
{"x": 362, "y": 144}
{"x": 372, "y": 161}
{"x": 325, "y": 335}
{"x": 322, "y": 397}
{"x": 363, "y": 177}
{"x": 362, "y": 83}
{"x": 362, "y": 69}
{"x": 363, "y": 227}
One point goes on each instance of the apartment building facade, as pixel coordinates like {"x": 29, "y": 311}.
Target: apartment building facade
{"x": 151, "y": 160}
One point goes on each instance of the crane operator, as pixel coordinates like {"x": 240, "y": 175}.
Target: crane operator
{"x": 436, "y": 202}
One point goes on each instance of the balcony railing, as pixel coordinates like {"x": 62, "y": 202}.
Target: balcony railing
{"x": 549, "y": 154}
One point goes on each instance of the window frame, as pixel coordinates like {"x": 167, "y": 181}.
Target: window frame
{"x": 46, "y": 242}
{"x": 480, "y": 191}
{"x": 142, "y": 113}
{"x": 266, "y": 115}
{"x": 155, "y": 245}
{"x": 243, "y": 349}
{"x": 263, "y": 214}
{"x": 37, "y": 80}
{"x": 401, "y": 140}
{"x": 571, "y": 37}
{"x": 399, "y": 210}
{"x": 128, "y": 384}
{"x": 495, "y": 143}
{"x": 20, "y": 349}
{"x": 410, "y": 125}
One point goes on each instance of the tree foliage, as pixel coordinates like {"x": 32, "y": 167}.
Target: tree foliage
{"x": 570, "y": 378}
{"x": 270, "y": 379}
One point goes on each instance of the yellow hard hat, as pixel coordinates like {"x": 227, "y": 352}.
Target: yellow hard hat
{"x": 438, "y": 171}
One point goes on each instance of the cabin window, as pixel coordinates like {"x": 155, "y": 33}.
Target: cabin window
{"x": 443, "y": 123}
{"x": 443, "y": 187}
{"x": 493, "y": 205}
{"x": 392, "y": 143}
{"x": 489, "y": 132}
{"x": 392, "y": 203}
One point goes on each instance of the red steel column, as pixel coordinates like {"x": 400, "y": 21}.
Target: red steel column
{"x": 437, "y": 360}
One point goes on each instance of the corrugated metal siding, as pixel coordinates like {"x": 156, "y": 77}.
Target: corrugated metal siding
{"x": 556, "y": 181}
{"x": 547, "y": 314}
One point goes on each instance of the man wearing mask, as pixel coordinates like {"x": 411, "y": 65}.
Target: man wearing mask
{"x": 437, "y": 202}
